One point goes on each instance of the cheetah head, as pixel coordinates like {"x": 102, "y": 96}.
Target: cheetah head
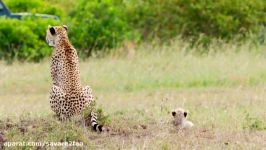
{"x": 179, "y": 114}
{"x": 180, "y": 119}
{"x": 54, "y": 33}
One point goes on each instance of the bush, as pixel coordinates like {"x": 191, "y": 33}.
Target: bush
{"x": 154, "y": 18}
{"x": 203, "y": 19}
{"x": 97, "y": 25}
{"x": 34, "y": 6}
{"x": 23, "y": 40}
{"x": 103, "y": 24}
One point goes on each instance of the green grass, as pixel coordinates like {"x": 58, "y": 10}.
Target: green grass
{"x": 223, "y": 91}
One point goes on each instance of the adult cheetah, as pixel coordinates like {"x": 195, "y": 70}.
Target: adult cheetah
{"x": 67, "y": 96}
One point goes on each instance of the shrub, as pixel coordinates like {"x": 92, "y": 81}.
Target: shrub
{"x": 204, "y": 19}
{"x": 154, "y": 18}
{"x": 23, "y": 40}
{"x": 103, "y": 24}
{"x": 97, "y": 25}
{"x": 34, "y": 6}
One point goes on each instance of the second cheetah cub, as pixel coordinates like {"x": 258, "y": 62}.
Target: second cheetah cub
{"x": 180, "y": 119}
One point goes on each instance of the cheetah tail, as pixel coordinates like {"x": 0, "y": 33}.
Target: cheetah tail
{"x": 94, "y": 124}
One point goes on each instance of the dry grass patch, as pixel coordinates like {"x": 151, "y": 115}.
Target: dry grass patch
{"x": 224, "y": 93}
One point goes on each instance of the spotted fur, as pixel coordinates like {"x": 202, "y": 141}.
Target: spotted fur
{"x": 67, "y": 96}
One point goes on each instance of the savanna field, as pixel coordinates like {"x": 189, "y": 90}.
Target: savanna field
{"x": 142, "y": 59}
{"x": 137, "y": 87}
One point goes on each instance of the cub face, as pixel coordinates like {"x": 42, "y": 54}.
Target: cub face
{"x": 53, "y": 32}
{"x": 180, "y": 119}
{"x": 179, "y": 113}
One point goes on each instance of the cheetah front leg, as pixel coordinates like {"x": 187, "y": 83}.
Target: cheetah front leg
{"x": 58, "y": 102}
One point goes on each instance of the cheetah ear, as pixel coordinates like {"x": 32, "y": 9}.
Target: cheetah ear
{"x": 65, "y": 27}
{"x": 52, "y": 30}
{"x": 173, "y": 113}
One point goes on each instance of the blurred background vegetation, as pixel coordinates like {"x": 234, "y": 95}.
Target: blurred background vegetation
{"x": 98, "y": 26}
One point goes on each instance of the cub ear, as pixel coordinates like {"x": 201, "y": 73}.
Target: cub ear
{"x": 173, "y": 113}
{"x": 52, "y": 30}
{"x": 65, "y": 26}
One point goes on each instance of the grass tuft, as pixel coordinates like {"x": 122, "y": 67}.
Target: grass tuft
{"x": 253, "y": 123}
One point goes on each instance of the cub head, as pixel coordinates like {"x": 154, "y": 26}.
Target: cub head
{"x": 54, "y": 33}
{"x": 179, "y": 113}
{"x": 180, "y": 119}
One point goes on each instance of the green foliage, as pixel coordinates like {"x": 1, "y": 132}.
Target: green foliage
{"x": 154, "y": 18}
{"x": 97, "y": 25}
{"x": 102, "y": 118}
{"x": 200, "y": 19}
{"x": 23, "y": 40}
{"x": 253, "y": 123}
{"x": 165, "y": 146}
{"x": 34, "y": 6}
{"x": 222, "y": 19}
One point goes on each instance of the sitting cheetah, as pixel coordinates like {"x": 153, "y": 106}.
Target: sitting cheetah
{"x": 67, "y": 96}
{"x": 180, "y": 120}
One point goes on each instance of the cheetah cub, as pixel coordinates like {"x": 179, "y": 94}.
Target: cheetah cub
{"x": 180, "y": 120}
